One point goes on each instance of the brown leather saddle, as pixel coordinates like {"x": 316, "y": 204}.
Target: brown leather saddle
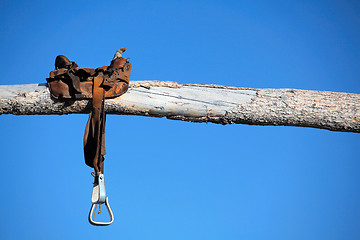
{"x": 68, "y": 82}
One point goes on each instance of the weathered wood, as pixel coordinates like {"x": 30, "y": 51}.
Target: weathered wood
{"x": 202, "y": 103}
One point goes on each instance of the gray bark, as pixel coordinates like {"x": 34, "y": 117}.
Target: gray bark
{"x": 202, "y": 103}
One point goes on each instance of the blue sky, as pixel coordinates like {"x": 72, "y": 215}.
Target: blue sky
{"x": 177, "y": 180}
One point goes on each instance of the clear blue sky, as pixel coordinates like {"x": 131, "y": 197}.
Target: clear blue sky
{"x": 176, "y": 180}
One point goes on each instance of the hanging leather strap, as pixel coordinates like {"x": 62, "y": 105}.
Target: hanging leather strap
{"x": 94, "y": 137}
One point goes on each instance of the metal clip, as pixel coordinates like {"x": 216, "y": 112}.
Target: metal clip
{"x": 99, "y": 197}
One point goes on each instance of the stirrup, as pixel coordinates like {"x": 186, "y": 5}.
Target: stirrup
{"x": 93, "y": 222}
{"x": 99, "y": 197}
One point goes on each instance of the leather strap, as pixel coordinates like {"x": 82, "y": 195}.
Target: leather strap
{"x": 94, "y": 137}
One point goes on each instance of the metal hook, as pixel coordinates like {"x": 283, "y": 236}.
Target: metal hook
{"x": 99, "y": 197}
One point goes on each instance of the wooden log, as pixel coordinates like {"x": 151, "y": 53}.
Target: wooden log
{"x": 202, "y": 103}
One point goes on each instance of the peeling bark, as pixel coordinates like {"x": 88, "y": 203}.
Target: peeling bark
{"x": 202, "y": 103}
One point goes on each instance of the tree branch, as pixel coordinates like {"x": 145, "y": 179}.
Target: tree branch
{"x": 202, "y": 103}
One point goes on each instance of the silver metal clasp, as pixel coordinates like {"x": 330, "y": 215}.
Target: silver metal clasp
{"x": 99, "y": 197}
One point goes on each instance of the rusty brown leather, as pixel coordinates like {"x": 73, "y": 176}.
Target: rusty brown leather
{"x": 94, "y": 137}
{"x": 68, "y": 82}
